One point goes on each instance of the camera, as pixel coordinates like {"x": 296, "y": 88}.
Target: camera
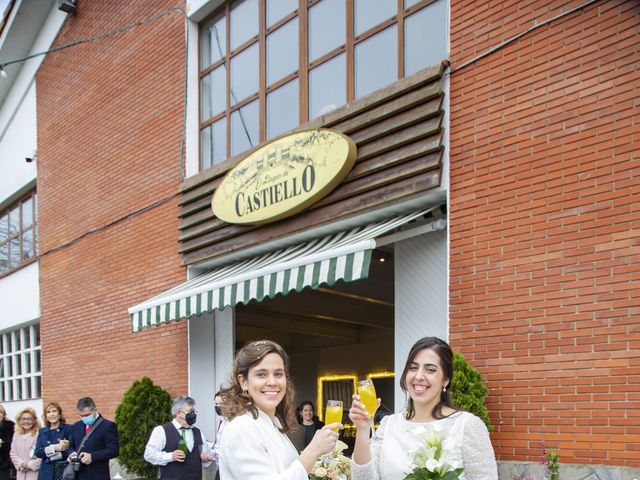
{"x": 75, "y": 462}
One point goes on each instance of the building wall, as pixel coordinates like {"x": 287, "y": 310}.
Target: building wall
{"x": 17, "y": 143}
{"x": 544, "y": 224}
{"x": 109, "y": 131}
{"x": 18, "y": 290}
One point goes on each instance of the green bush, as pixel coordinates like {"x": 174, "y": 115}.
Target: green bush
{"x": 143, "y": 406}
{"x": 467, "y": 390}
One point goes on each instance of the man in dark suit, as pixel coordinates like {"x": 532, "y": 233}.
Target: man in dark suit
{"x": 99, "y": 448}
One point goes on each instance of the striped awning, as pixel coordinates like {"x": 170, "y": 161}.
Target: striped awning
{"x": 343, "y": 256}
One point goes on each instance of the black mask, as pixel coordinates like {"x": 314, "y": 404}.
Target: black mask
{"x": 190, "y": 418}
{"x": 218, "y": 410}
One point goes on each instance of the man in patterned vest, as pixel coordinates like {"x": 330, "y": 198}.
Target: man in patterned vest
{"x": 177, "y": 447}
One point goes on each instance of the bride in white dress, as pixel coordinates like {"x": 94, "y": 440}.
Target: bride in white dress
{"x": 259, "y": 405}
{"x": 426, "y": 378}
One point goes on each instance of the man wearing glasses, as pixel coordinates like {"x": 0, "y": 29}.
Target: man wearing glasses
{"x": 101, "y": 445}
{"x": 177, "y": 447}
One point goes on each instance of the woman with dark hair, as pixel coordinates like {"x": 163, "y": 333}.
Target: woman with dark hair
{"x": 6, "y": 436}
{"x": 53, "y": 440}
{"x": 426, "y": 378}
{"x": 308, "y": 419}
{"x": 260, "y": 409}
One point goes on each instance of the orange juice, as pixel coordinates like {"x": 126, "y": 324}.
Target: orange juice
{"x": 333, "y": 415}
{"x": 368, "y": 398}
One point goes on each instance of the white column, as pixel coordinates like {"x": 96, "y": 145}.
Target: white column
{"x": 420, "y": 296}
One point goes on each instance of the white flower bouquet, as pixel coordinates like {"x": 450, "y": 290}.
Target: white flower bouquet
{"x": 430, "y": 459}
{"x": 333, "y": 466}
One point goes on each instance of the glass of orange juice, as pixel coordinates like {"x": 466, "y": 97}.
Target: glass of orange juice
{"x": 367, "y": 393}
{"x": 333, "y": 413}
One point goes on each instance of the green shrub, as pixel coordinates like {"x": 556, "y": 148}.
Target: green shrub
{"x": 143, "y": 406}
{"x": 467, "y": 390}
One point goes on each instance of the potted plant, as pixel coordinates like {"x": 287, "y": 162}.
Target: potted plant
{"x": 144, "y": 406}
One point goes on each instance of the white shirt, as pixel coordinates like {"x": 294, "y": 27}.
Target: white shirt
{"x": 153, "y": 452}
{"x": 254, "y": 449}
{"x": 218, "y": 445}
{"x": 394, "y": 443}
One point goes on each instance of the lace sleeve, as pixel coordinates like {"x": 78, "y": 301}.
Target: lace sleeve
{"x": 371, "y": 470}
{"x": 477, "y": 451}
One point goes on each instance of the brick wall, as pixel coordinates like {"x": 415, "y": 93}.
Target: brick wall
{"x": 545, "y": 224}
{"x": 109, "y": 130}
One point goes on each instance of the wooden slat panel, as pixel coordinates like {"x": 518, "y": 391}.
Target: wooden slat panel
{"x": 398, "y": 122}
{"x": 398, "y": 134}
{"x": 200, "y": 229}
{"x": 196, "y": 206}
{"x": 406, "y": 136}
{"x": 394, "y": 157}
{"x": 383, "y": 177}
{"x": 386, "y": 110}
{"x": 196, "y": 193}
{"x": 369, "y": 201}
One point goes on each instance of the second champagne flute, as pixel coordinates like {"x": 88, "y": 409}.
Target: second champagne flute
{"x": 333, "y": 413}
{"x": 367, "y": 393}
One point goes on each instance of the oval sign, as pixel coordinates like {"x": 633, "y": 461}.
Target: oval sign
{"x": 284, "y": 177}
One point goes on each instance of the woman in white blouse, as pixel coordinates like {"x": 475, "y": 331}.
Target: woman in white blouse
{"x": 426, "y": 378}
{"x": 260, "y": 406}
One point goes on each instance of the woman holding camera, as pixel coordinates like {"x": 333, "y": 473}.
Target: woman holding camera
{"x": 53, "y": 441}
{"x": 259, "y": 406}
{"x": 23, "y": 445}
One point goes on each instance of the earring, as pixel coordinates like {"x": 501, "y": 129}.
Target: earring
{"x": 444, "y": 389}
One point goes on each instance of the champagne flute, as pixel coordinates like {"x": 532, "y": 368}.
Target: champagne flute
{"x": 333, "y": 413}
{"x": 367, "y": 392}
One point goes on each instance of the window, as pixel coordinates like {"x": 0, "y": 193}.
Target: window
{"x": 266, "y": 66}
{"x": 20, "y": 372}
{"x": 18, "y": 233}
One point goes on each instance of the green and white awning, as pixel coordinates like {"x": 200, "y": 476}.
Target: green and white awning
{"x": 342, "y": 256}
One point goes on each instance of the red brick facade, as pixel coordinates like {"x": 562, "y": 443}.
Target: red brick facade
{"x": 110, "y": 116}
{"x": 544, "y": 215}
{"x": 545, "y": 224}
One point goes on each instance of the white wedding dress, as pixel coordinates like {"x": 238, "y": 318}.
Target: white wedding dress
{"x": 394, "y": 443}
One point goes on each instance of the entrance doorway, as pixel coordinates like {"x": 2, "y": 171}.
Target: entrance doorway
{"x": 333, "y": 335}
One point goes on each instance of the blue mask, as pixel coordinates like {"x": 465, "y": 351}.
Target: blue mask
{"x": 88, "y": 420}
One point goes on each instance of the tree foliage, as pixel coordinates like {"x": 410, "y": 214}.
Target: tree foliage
{"x": 467, "y": 389}
{"x": 143, "y": 406}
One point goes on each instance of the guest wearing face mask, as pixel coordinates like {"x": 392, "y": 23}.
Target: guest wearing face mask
{"x": 220, "y": 424}
{"x": 100, "y": 446}
{"x": 177, "y": 447}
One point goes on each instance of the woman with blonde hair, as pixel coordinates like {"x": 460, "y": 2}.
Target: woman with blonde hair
{"x": 259, "y": 404}
{"x": 23, "y": 444}
{"x": 53, "y": 441}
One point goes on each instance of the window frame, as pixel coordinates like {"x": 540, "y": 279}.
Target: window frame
{"x": 304, "y": 66}
{"x": 33, "y": 227}
{"x": 16, "y": 381}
